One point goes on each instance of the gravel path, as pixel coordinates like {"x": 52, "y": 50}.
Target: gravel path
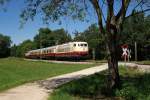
{"x": 40, "y": 89}
{"x": 144, "y": 68}
{"x": 61, "y": 62}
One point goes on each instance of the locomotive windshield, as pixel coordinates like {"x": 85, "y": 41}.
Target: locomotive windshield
{"x": 82, "y": 45}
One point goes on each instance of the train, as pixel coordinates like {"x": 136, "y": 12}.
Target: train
{"x": 66, "y": 50}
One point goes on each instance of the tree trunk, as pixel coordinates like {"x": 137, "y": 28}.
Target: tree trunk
{"x": 112, "y": 46}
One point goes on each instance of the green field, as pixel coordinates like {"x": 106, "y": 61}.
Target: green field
{"x": 135, "y": 86}
{"x": 15, "y": 71}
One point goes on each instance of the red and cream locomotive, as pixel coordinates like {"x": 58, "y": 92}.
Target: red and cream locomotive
{"x": 67, "y": 50}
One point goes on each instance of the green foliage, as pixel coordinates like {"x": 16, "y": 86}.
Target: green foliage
{"x": 63, "y": 96}
{"x": 46, "y": 37}
{"x": 129, "y": 92}
{"x": 53, "y": 10}
{"x": 13, "y": 51}
{"x": 3, "y": 1}
{"x": 136, "y": 28}
{"x": 16, "y": 71}
{"x": 87, "y": 87}
{"x": 21, "y": 49}
{"x": 135, "y": 86}
{"x": 4, "y": 45}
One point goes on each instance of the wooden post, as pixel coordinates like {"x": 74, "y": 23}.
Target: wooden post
{"x": 135, "y": 44}
{"x": 93, "y": 53}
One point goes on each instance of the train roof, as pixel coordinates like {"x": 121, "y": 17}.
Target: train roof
{"x": 79, "y": 42}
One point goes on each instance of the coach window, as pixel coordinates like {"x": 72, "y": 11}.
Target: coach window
{"x": 82, "y": 45}
{"x": 74, "y": 45}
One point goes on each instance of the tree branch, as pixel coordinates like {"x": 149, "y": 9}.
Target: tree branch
{"x": 123, "y": 9}
{"x": 137, "y": 4}
{"x": 133, "y": 14}
{"x": 99, "y": 14}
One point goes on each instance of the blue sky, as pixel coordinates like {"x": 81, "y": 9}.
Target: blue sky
{"x": 9, "y": 24}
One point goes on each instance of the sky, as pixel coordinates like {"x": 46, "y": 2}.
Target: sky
{"x": 9, "y": 24}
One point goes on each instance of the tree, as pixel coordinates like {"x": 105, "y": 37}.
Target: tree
{"x": 47, "y": 37}
{"x": 25, "y": 46}
{"x": 61, "y": 36}
{"x": 43, "y": 39}
{"x": 13, "y": 51}
{"x": 4, "y": 45}
{"x": 53, "y": 10}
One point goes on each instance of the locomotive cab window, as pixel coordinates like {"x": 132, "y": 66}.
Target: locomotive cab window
{"x": 85, "y": 45}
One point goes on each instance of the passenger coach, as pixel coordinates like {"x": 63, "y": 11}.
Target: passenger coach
{"x": 67, "y": 50}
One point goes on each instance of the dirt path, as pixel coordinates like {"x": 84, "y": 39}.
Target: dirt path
{"x": 40, "y": 89}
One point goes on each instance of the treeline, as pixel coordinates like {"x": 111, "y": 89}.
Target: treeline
{"x": 135, "y": 29}
{"x": 44, "y": 38}
{"x": 5, "y": 43}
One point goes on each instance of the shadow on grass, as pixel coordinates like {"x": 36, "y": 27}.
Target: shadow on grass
{"x": 135, "y": 86}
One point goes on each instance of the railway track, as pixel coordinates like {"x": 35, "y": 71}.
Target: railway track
{"x": 63, "y": 62}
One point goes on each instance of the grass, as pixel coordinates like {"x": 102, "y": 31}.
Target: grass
{"x": 135, "y": 86}
{"x": 15, "y": 71}
{"x": 146, "y": 62}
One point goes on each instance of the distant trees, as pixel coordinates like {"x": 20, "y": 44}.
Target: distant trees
{"x": 13, "y": 50}
{"x": 25, "y": 46}
{"x": 47, "y": 37}
{"x": 137, "y": 29}
{"x": 4, "y": 46}
{"x": 44, "y": 38}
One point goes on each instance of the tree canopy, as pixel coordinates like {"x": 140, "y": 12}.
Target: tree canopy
{"x": 47, "y": 37}
{"x": 4, "y": 45}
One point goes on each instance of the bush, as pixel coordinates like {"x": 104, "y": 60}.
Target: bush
{"x": 129, "y": 93}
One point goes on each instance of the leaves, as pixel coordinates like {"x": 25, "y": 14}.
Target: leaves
{"x": 4, "y": 45}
